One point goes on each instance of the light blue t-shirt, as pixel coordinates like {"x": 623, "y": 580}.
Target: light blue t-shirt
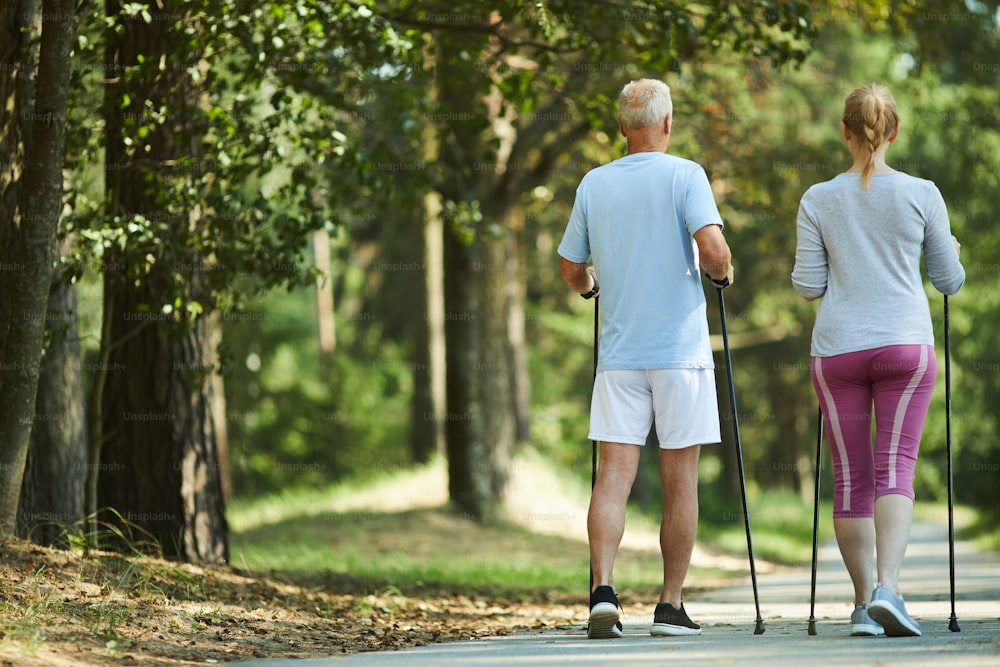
{"x": 636, "y": 218}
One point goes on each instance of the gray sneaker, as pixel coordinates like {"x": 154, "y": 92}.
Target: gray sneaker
{"x": 887, "y": 609}
{"x": 862, "y": 624}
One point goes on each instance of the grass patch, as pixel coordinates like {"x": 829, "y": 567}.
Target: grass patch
{"x": 309, "y": 533}
{"x": 248, "y": 513}
{"x": 25, "y": 618}
{"x": 781, "y": 526}
{"x": 425, "y": 548}
{"x": 978, "y": 527}
{"x": 333, "y": 537}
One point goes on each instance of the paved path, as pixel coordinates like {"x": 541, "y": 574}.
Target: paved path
{"x": 728, "y": 615}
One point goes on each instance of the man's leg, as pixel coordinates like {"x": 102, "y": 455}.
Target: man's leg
{"x": 679, "y": 524}
{"x": 606, "y": 518}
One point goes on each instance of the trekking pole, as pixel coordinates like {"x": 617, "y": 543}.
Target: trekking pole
{"x": 953, "y": 623}
{"x": 812, "y": 594}
{"x": 593, "y": 443}
{"x": 759, "y": 629}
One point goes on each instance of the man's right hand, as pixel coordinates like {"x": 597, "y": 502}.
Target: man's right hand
{"x": 713, "y": 252}
{"x": 722, "y": 282}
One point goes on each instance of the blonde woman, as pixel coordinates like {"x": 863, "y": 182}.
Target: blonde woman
{"x": 860, "y": 240}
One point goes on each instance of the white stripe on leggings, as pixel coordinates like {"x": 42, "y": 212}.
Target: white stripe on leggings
{"x": 904, "y": 403}
{"x": 835, "y": 434}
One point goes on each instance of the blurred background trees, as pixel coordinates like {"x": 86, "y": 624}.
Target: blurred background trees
{"x": 320, "y": 236}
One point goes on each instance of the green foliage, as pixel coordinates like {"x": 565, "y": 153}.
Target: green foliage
{"x": 781, "y": 525}
{"x": 533, "y": 57}
{"x": 320, "y": 115}
{"x": 765, "y": 134}
{"x": 266, "y": 158}
{"x": 297, "y": 418}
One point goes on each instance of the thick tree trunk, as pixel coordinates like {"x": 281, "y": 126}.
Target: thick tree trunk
{"x": 479, "y": 423}
{"x": 494, "y": 376}
{"x": 480, "y": 426}
{"x": 160, "y": 462}
{"x": 13, "y": 56}
{"x": 31, "y": 200}
{"x": 52, "y": 490}
{"x": 465, "y": 490}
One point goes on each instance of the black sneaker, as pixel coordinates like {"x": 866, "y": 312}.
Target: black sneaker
{"x": 668, "y": 621}
{"x": 604, "y": 623}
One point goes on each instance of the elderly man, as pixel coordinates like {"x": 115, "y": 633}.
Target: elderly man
{"x": 647, "y": 220}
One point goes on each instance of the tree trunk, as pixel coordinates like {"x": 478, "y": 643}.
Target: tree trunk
{"x": 480, "y": 425}
{"x": 15, "y": 53}
{"x": 159, "y": 443}
{"x": 427, "y": 423}
{"x": 159, "y": 463}
{"x": 433, "y": 321}
{"x": 426, "y": 410}
{"x": 465, "y": 490}
{"x": 52, "y": 490}
{"x": 479, "y": 422}
{"x": 326, "y": 324}
{"x": 13, "y": 56}
{"x": 427, "y": 434}
{"x": 494, "y": 375}
{"x": 30, "y": 204}
{"x": 516, "y": 337}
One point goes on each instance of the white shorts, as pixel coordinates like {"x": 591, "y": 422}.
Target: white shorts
{"x": 682, "y": 400}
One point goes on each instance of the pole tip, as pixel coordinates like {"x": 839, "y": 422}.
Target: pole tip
{"x": 759, "y": 630}
{"x": 953, "y": 624}
{"x": 812, "y": 627}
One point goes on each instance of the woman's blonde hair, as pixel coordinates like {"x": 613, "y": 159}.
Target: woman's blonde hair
{"x": 870, "y": 115}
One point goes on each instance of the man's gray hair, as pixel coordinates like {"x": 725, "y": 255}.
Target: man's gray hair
{"x": 644, "y": 102}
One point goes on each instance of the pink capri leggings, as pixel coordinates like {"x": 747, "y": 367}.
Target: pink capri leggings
{"x": 899, "y": 379}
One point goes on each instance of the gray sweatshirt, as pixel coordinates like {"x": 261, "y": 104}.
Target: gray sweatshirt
{"x": 860, "y": 251}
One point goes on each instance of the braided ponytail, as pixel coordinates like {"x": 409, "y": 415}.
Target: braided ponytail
{"x": 870, "y": 115}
